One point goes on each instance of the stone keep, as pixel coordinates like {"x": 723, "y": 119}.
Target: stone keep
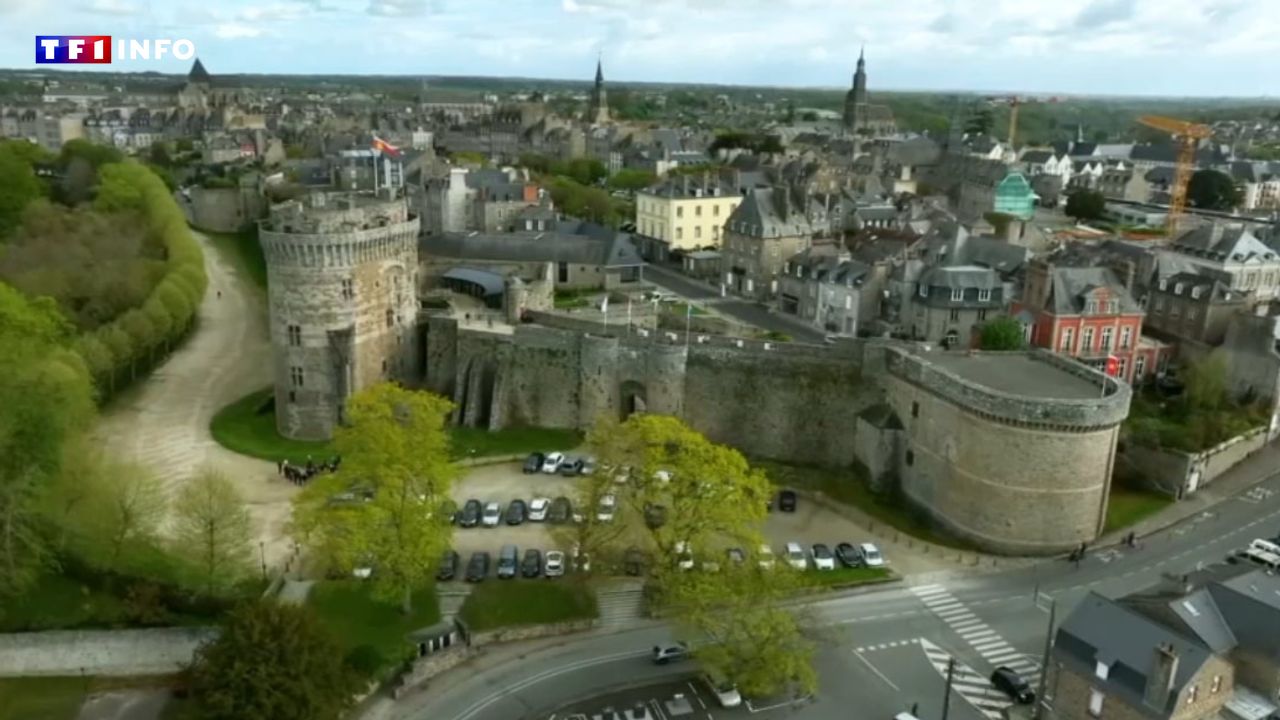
{"x": 341, "y": 272}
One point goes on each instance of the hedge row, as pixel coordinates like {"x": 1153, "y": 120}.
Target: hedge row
{"x": 141, "y": 337}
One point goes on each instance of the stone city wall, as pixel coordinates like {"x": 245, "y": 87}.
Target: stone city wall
{"x": 152, "y": 651}
{"x": 1179, "y": 473}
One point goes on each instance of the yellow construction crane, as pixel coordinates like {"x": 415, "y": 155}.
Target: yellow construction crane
{"x": 1188, "y": 136}
{"x": 1014, "y": 102}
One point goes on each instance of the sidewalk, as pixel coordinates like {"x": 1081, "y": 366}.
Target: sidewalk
{"x": 1256, "y": 468}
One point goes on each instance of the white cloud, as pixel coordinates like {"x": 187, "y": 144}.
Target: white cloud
{"x": 236, "y": 31}
{"x": 109, "y": 7}
{"x": 400, "y": 8}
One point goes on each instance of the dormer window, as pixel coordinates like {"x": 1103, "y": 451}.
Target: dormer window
{"x": 1195, "y": 293}
{"x": 1177, "y": 289}
{"x": 984, "y": 295}
{"x": 1091, "y": 307}
{"x": 957, "y": 294}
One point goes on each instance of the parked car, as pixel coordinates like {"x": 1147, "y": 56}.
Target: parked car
{"x": 634, "y": 562}
{"x": 533, "y": 463}
{"x": 684, "y": 556}
{"x": 478, "y": 567}
{"x": 448, "y": 566}
{"x": 516, "y": 512}
{"x": 787, "y": 501}
{"x": 735, "y": 555}
{"x": 608, "y": 504}
{"x": 655, "y": 515}
{"x": 508, "y": 562}
{"x": 848, "y": 555}
{"x": 551, "y": 462}
{"x": 1012, "y": 684}
{"x": 726, "y": 692}
{"x": 492, "y": 514}
{"x": 449, "y": 508}
{"x": 795, "y": 556}
{"x": 822, "y": 557}
{"x": 553, "y": 565}
{"x": 765, "y": 557}
{"x": 587, "y": 466}
{"x": 560, "y": 511}
{"x": 538, "y": 508}
{"x": 470, "y": 514}
{"x": 663, "y": 654}
{"x": 571, "y": 467}
{"x": 581, "y": 560}
{"x": 531, "y": 567}
{"x": 870, "y": 555}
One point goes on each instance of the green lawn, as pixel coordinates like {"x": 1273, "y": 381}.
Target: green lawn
{"x": 248, "y": 426}
{"x": 570, "y": 299}
{"x": 843, "y": 577}
{"x": 357, "y": 618}
{"x": 1128, "y": 507}
{"x": 59, "y": 602}
{"x": 245, "y": 251}
{"x": 680, "y": 309}
{"x": 45, "y": 698}
{"x": 848, "y": 487}
{"x": 503, "y": 603}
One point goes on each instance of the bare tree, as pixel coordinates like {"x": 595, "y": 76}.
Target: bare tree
{"x": 212, "y": 529}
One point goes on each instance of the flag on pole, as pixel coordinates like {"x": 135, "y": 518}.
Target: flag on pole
{"x": 604, "y": 304}
{"x": 385, "y": 147}
{"x": 1113, "y": 365}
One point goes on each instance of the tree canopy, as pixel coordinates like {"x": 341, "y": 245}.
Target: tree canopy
{"x": 21, "y": 186}
{"x": 1085, "y": 204}
{"x": 754, "y": 142}
{"x": 1002, "y": 333}
{"x": 1213, "y": 190}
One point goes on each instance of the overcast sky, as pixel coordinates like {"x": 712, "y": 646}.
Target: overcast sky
{"x": 1150, "y": 47}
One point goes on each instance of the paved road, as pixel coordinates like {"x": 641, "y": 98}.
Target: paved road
{"x": 884, "y": 650}
{"x": 742, "y": 310}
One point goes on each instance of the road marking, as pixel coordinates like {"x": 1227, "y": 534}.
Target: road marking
{"x": 535, "y": 679}
{"x": 966, "y": 683}
{"x": 873, "y": 669}
{"x": 980, "y": 636}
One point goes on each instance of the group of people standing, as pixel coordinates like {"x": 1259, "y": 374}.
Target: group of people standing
{"x": 299, "y": 475}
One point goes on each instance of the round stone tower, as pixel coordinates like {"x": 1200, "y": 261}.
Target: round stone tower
{"x": 664, "y": 372}
{"x": 341, "y": 273}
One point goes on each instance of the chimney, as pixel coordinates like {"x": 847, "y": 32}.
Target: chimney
{"x": 1160, "y": 679}
{"x": 1038, "y": 279}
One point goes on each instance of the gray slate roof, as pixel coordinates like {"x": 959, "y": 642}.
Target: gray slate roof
{"x": 770, "y": 212}
{"x": 1069, "y": 288}
{"x": 1220, "y": 242}
{"x": 581, "y": 244}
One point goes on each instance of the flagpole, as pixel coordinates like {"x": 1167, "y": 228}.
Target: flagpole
{"x": 688, "y": 322}
{"x": 628, "y": 315}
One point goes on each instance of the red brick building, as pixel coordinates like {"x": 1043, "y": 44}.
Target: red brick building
{"x": 1088, "y": 314}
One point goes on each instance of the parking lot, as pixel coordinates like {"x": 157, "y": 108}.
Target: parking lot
{"x": 687, "y": 698}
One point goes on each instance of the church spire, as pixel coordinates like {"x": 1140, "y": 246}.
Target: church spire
{"x": 600, "y": 69}
{"x": 598, "y": 110}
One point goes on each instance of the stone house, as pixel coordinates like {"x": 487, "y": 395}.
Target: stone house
{"x": 1188, "y": 649}
{"x": 825, "y": 287}
{"x": 771, "y": 225}
{"x": 1193, "y": 309}
{"x": 1124, "y": 184}
{"x": 1245, "y": 263}
{"x": 1251, "y": 350}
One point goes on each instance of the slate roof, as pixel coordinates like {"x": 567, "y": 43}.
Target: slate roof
{"x": 1162, "y": 174}
{"x": 1083, "y": 149}
{"x": 198, "y": 74}
{"x": 960, "y": 276}
{"x": 492, "y": 282}
{"x": 1106, "y": 631}
{"x": 1070, "y": 286}
{"x": 1212, "y": 289}
{"x": 770, "y": 212}
{"x": 1037, "y": 156}
{"x": 821, "y": 264}
{"x": 951, "y": 244}
{"x": 573, "y": 241}
{"x": 1223, "y": 243}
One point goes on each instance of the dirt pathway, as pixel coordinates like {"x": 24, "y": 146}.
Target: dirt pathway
{"x": 163, "y": 423}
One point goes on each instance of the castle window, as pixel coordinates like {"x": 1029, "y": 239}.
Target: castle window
{"x": 296, "y": 376}
{"x": 295, "y": 335}
{"x": 562, "y": 272}
{"x": 348, "y": 289}
{"x": 391, "y": 317}
{"x": 915, "y": 409}
{"x": 384, "y": 366}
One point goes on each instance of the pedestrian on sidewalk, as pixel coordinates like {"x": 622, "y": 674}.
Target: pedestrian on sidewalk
{"x": 280, "y": 467}
{"x": 219, "y": 294}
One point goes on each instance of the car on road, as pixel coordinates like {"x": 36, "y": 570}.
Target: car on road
{"x": 581, "y": 560}
{"x": 634, "y": 562}
{"x": 655, "y": 515}
{"x": 538, "y": 508}
{"x": 870, "y": 555}
{"x": 848, "y": 555}
{"x": 531, "y": 566}
{"x": 608, "y": 505}
{"x": 492, "y": 514}
{"x": 517, "y": 511}
{"x": 470, "y": 513}
{"x": 1009, "y": 682}
{"x": 822, "y": 557}
{"x": 795, "y": 556}
{"x": 448, "y": 566}
{"x": 764, "y": 557}
{"x": 726, "y": 693}
{"x": 553, "y": 565}
{"x": 663, "y": 654}
{"x": 478, "y": 567}
{"x": 787, "y": 501}
{"x": 508, "y": 562}
{"x": 551, "y": 463}
{"x": 571, "y": 467}
{"x": 561, "y": 510}
{"x": 533, "y": 463}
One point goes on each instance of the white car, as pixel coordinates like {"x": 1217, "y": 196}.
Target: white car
{"x": 538, "y": 508}
{"x": 726, "y": 692}
{"x": 581, "y": 560}
{"x": 551, "y": 463}
{"x": 684, "y": 556}
{"x": 871, "y": 556}
{"x": 492, "y": 514}
{"x": 823, "y": 558}
{"x": 553, "y": 564}
{"x": 608, "y": 505}
{"x": 796, "y": 557}
{"x": 662, "y": 476}
{"x": 765, "y": 557}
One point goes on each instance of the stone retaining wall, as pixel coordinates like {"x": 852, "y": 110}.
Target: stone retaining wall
{"x": 1180, "y": 474}
{"x": 152, "y": 651}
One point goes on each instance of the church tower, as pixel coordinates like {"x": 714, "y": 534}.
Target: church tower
{"x": 598, "y": 110}
{"x": 855, "y": 101}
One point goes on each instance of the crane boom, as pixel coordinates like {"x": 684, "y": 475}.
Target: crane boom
{"x": 1187, "y": 135}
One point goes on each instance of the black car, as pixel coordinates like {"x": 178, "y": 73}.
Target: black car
{"x": 1012, "y": 684}
{"x": 633, "y": 562}
{"x": 531, "y": 566}
{"x": 470, "y": 513}
{"x": 655, "y": 515}
{"x": 848, "y": 555}
{"x": 478, "y": 567}
{"x": 533, "y": 463}
{"x": 787, "y": 501}
{"x": 516, "y": 512}
{"x": 561, "y": 510}
{"x": 571, "y": 468}
{"x": 448, "y": 566}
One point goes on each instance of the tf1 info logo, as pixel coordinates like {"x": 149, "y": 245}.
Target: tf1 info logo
{"x": 98, "y": 49}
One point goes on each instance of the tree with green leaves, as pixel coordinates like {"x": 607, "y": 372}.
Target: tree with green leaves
{"x": 212, "y": 530}
{"x": 1213, "y": 190}
{"x": 21, "y": 187}
{"x": 980, "y": 122}
{"x": 631, "y": 179}
{"x": 395, "y": 445}
{"x": 273, "y": 662}
{"x": 1083, "y": 204}
{"x": 1003, "y": 333}
{"x": 120, "y": 520}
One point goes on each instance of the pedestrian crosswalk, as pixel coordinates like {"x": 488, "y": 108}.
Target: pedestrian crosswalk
{"x": 968, "y": 683}
{"x": 984, "y": 640}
